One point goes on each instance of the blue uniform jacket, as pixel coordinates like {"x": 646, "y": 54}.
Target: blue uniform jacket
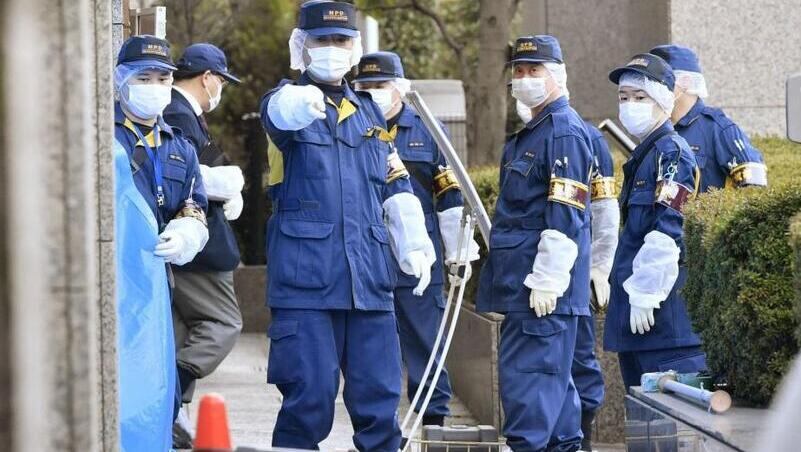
{"x": 221, "y": 252}
{"x": 720, "y": 146}
{"x": 423, "y": 160}
{"x": 602, "y": 163}
{"x": 180, "y": 169}
{"x": 544, "y": 184}
{"x": 661, "y": 154}
{"x": 327, "y": 245}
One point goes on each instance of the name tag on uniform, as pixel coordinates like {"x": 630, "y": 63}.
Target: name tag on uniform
{"x": 695, "y": 148}
{"x": 416, "y": 144}
{"x": 177, "y": 157}
{"x": 639, "y": 183}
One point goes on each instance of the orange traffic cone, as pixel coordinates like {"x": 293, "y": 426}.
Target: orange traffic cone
{"x": 212, "y": 425}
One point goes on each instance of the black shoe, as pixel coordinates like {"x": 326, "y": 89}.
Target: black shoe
{"x": 587, "y": 418}
{"x": 404, "y": 440}
{"x": 434, "y": 419}
{"x": 182, "y": 431}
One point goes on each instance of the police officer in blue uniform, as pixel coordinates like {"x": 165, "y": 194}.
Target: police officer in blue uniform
{"x": 723, "y": 151}
{"x": 647, "y": 323}
{"x": 342, "y": 205}
{"x": 537, "y": 271}
{"x": 605, "y": 214}
{"x": 163, "y": 163}
{"x": 206, "y": 317}
{"x": 381, "y": 75}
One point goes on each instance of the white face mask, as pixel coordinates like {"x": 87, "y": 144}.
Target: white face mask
{"x": 637, "y": 117}
{"x": 146, "y": 101}
{"x": 329, "y": 64}
{"x": 383, "y": 98}
{"x": 523, "y": 112}
{"x": 214, "y": 101}
{"x": 530, "y": 90}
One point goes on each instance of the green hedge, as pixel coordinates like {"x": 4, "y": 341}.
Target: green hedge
{"x": 740, "y": 290}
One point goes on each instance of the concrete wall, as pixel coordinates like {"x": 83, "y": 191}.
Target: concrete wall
{"x": 56, "y": 95}
{"x": 748, "y": 48}
{"x": 596, "y": 36}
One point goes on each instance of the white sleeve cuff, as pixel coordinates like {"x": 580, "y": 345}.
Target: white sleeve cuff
{"x": 404, "y": 217}
{"x": 556, "y": 254}
{"x": 282, "y": 109}
{"x": 654, "y": 271}
{"x": 222, "y": 183}
{"x": 449, "y": 223}
{"x": 605, "y": 232}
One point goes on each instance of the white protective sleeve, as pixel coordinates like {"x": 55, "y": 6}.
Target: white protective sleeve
{"x": 556, "y": 254}
{"x": 605, "y": 231}
{"x": 404, "y": 218}
{"x": 295, "y": 107}
{"x": 654, "y": 271}
{"x": 195, "y": 235}
{"x": 222, "y": 183}
{"x": 449, "y": 222}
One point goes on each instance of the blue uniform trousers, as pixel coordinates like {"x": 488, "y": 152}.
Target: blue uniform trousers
{"x": 418, "y": 323}
{"x": 308, "y": 349}
{"x": 539, "y": 398}
{"x": 680, "y": 359}
{"x": 586, "y": 371}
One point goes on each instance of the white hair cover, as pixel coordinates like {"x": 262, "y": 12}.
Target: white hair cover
{"x": 559, "y": 75}
{"x": 693, "y": 82}
{"x": 298, "y": 39}
{"x": 655, "y": 90}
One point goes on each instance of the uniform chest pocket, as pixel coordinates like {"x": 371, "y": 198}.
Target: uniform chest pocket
{"x": 521, "y": 175}
{"x": 316, "y": 149}
{"x": 417, "y": 150}
{"x": 175, "y": 171}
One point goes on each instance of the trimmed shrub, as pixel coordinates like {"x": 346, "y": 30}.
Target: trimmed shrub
{"x": 795, "y": 243}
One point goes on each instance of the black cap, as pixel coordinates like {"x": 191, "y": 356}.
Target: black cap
{"x": 205, "y": 57}
{"x": 328, "y": 18}
{"x": 146, "y": 51}
{"x": 649, "y": 65}
{"x": 379, "y": 67}
{"x": 536, "y": 49}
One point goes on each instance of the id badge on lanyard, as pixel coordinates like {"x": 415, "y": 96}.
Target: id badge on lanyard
{"x": 157, "y": 169}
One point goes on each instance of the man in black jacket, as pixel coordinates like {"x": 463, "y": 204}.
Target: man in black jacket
{"x": 206, "y": 315}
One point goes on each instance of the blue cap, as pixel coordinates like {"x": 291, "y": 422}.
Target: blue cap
{"x": 328, "y": 18}
{"x": 536, "y": 49}
{"x": 146, "y": 51}
{"x": 379, "y": 67}
{"x": 680, "y": 58}
{"x": 205, "y": 57}
{"x": 649, "y": 65}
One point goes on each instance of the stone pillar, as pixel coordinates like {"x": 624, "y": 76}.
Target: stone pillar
{"x": 55, "y": 162}
{"x": 747, "y": 50}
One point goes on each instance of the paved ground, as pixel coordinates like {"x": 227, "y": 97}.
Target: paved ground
{"x": 253, "y": 405}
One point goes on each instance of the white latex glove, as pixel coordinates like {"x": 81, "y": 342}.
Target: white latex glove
{"x": 420, "y": 264}
{"x": 600, "y": 282}
{"x": 222, "y": 183}
{"x": 641, "y": 319}
{"x": 294, "y": 107}
{"x": 457, "y": 280}
{"x": 233, "y": 207}
{"x": 181, "y": 240}
{"x": 543, "y": 302}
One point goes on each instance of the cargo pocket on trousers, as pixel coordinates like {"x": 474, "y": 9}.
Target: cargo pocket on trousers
{"x": 283, "y": 365}
{"x": 544, "y": 347}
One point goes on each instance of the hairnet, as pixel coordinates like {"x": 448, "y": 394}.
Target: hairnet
{"x": 559, "y": 74}
{"x": 693, "y": 82}
{"x": 124, "y": 72}
{"x": 297, "y": 40}
{"x": 655, "y": 90}
{"x": 403, "y": 85}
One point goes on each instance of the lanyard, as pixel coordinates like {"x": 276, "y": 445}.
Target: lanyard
{"x": 154, "y": 158}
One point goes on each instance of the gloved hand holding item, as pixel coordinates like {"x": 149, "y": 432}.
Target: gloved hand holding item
{"x": 233, "y": 207}
{"x": 181, "y": 240}
{"x": 600, "y": 284}
{"x": 294, "y": 107}
{"x": 409, "y": 239}
{"x": 450, "y": 221}
{"x": 641, "y": 319}
{"x": 543, "y": 302}
{"x": 457, "y": 280}
{"x": 222, "y": 183}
